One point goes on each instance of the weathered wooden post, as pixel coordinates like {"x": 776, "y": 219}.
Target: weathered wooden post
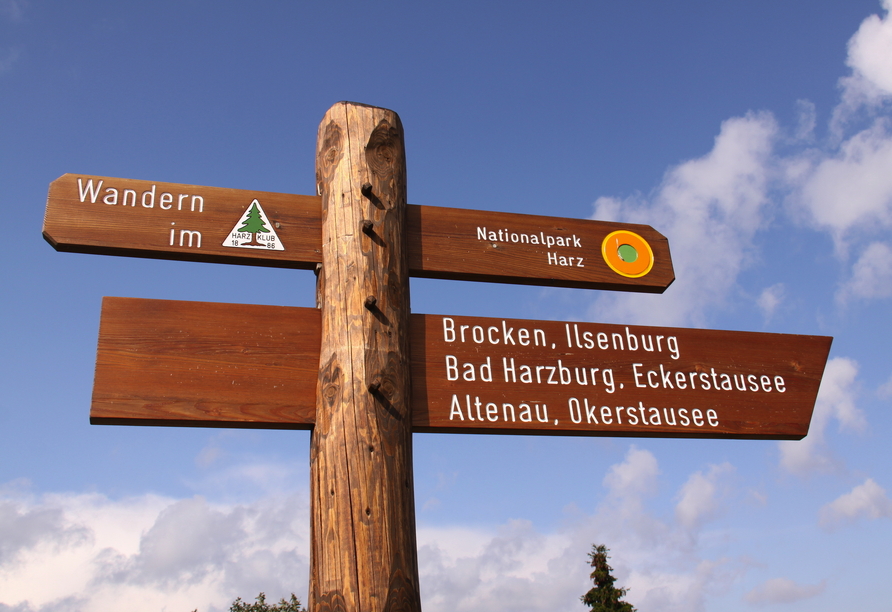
{"x": 363, "y": 550}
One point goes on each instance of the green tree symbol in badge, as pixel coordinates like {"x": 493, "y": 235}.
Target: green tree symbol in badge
{"x": 254, "y": 224}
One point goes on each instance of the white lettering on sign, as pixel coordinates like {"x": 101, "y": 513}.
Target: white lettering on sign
{"x": 492, "y": 334}
{"x": 586, "y": 378}
{"x": 548, "y": 241}
{"x": 639, "y": 415}
{"x": 618, "y": 342}
{"x": 557, "y": 374}
{"x": 184, "y": 235}
{"x": 663, "y": 378}
{"x": 112, "y": 196}
{"x": 559, "y": 260}
{"x": 469, "y": 371}
{"x": 471, "y": 408}
{"x": 478, "y": 410}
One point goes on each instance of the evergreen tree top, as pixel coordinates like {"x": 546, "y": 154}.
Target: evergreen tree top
{"x": 604, "y": 597}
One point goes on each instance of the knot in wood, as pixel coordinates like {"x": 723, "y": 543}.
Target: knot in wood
{"x": 330, "y": 151}
{"x": 384, "y": 150}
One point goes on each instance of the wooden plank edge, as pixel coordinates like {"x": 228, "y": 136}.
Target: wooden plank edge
{"x": 567, "y": 433}
{"x": 87, "y": 249}
{"x": 538, "y": 282}
{"x": 197, "y": 423}
{"x": 426, "y": 429}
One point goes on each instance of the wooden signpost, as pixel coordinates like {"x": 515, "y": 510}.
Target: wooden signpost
{"x": 469, "y": 374}
{"x": 108, "y": 216}
{"x": 363, "y": 374}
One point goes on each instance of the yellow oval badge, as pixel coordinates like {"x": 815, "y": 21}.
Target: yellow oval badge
{"x": 627, "y": 254}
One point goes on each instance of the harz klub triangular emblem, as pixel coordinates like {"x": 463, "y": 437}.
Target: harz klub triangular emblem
{"x": 254, "y": 231}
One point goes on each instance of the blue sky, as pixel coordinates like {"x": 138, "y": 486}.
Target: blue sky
{"x": 755, "y": 135}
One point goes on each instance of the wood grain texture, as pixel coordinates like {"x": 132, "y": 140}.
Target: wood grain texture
{"x": 446, "y": 243}
{"x": 162, "y": 362}
{"x": 231, "y": 365}
{"x": 442, "y": 242}
{"x": 485, "y": 375}
{"x": 87, "y": 224}
{"x": 363, "y": 550}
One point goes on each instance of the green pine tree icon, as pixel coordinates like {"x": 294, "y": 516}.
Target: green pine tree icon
{"x": 254, "y": 224}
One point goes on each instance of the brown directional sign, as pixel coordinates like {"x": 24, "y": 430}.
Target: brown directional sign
{"x": 487, "y": 246}
{"x": 514, "y": 376}
{"x": 93, "y": 214}
{"x": 163, "y": 362}
{"x": 189, "y": 363}
{"x": 110, "y": 216}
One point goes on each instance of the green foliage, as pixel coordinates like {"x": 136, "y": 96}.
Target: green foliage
{"x": 604, "y": 597}
{"x": 261, "y": 606}
{"x": 254, "y": 222}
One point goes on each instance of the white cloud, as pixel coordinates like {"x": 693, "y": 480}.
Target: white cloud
{"x": 712, "y": 208}
{"x": 662, "y": 559}
{"x": 634, "y": 477}
{"x": 849, "y": 192}
{"x": 836, "y": 400}
{"x": 783, "y": 591}
{"x": 770, "y": 298}
{"x": 870, "y": 58}
{"x": 514, "y": 568}
{"x": 871, "y": 275}
{"x": 153, "y": 552}
{"x": 700, "y": 499}
{"x": 22, "y": 530}
{"x": 248, "y": 478}
{"x": 709, "y": 208}
{"x": 208, "y": 456}
{"x": 187, "y": 541}
{"x": 867, "y": 500}
{"x": 870, "y": 50}
{"x": 807, "y": 120}
{"x": 158, "y": 553}
{"x": 517, "y": 568}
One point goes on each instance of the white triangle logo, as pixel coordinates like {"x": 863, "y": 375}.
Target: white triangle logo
{"x": 254, "y": 231}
